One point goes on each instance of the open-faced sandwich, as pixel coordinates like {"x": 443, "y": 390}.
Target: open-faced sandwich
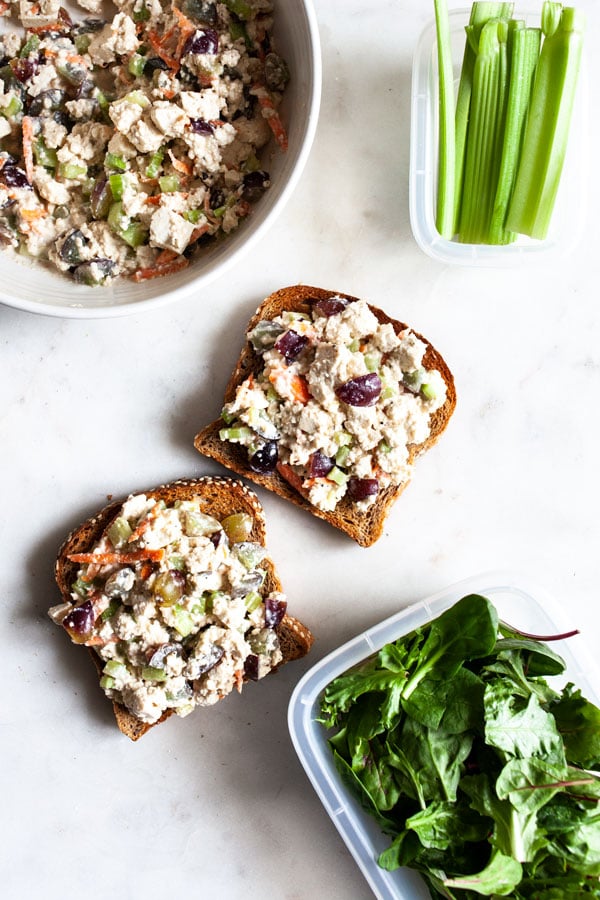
{"x": 174, "y": 595}
{"x": 329, "y": 405}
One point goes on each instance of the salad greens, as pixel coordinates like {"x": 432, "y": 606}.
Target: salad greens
{"x": 500, "y": 161}
{"x": 483, "y": 775}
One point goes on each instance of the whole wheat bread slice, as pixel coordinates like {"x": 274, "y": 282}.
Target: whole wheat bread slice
{"x": 363, "y": 527}
{"x": 220, "y": 497}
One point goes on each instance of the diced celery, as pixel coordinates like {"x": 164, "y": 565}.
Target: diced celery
{"x": 168, "y": 183}
{"x": 151, "y": 673}
{"x": 252, "y": 601}
{"x": 342, "y": 438}
{"x": 193, "y": 215}
{"x": 112, "y": 161}
{"x": 12, "y": 108}
{"x": 342, "y": 455}
{"x": 337, "y": 476}
{"x": 137, "y": 97}
{"x": 136, "y": 65}
{"x": 372, "y": 360}
{"x": 119, "y": 531}
{"x": 107, "y": 683}
{"x": 243, "y": 433}
{"x": 80, "y": 587}
{"x": 82, "y": 42}
{"x": 115, "y": 667}
{"x": 241, "y": 8}
{"x": 428, "y": 392}
{"x": 227, "y": 417}
{"x": 110, "y": 610}
{"x": 135, "y": 234}
{"x": 177, "y": 562}
{"x": 354, "y": 346}
{"x": 71, "y": 170}
{"x": 117, "y": 184}
{"x": 184, "y": 622}
{"x": 31, "y": 44}
{"x": 154, "y": 166}
{"x": 141, "y": 15}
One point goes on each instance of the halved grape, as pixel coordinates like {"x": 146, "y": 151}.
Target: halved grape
{"x": 202, "y": 41}
{"x": 159, "y": 654}
{"x": 169, "y": 587}
{"x": 251, "y": 667}
{"x": 275, "y": 610}
{"x": 361, "y": 391}
{"x": 330, "y": 306}
{"x": 319, "y": 464}
{"x": 238, "y": 526}
{"x": 361, "y": 488}
{"x": 290, "y": 345}
{"x": 79, "y": 623}
{"x": 265, "y": 458}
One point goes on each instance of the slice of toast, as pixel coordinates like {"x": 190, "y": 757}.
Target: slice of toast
{"x": 365, "y": 527}
{"x": 220, "y": 497}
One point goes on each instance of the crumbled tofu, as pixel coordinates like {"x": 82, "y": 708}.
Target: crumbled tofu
{"x": 170, "y": 231}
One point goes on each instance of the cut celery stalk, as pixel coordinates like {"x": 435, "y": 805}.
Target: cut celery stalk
{"x": 524, "y": 48}
{"x": 486, "y": 119}
{"x": 446, "y": 150}
{"x": 547, "y": 128}
{"x": 481, "y": 12}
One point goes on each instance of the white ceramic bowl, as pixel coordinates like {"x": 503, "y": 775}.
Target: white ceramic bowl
{"x": 37, "y": 289}
{"x": 520, "y": 603}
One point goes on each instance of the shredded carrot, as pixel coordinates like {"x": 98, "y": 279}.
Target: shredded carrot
{"x": 28, "y": 134}
{"x": 288, "y": 474}
{"x": 164, "y": 257}
{"x": 30, "y": 215}
{"x": 97, "y": 641}
{"x": 150, "y": 517}
{"x": 186, "y": 29}
{"x": 271, "y": 115}
{"x": 300, "y": 389}
{"x": 157, "y": 44}
{"x": 4, "y": 8}
{"x": 158, "y": 271}
{"x": 180, "y": 165}
{"x": 238, "y": 677}
{"x": 146, "y": 570}
{"x": 155, "y": 199}
{"x": 118, "y": 557}
{"x": 198, "y": 232}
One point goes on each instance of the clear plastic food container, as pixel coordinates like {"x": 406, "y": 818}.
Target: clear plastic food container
{"x": 568, "y": 219}
{"x": 519, "y": 603}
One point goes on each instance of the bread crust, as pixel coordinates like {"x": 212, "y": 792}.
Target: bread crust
{"x": 220, "y": 496}
{"x": 363, "y": 527}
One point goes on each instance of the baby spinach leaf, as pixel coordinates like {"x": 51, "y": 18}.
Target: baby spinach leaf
{"x": 517, "y": 729}
{"x": 466, "y": 631}
{"x": 454, "y": 705}
{"x": 438, "y": 758}
{"x": 538, "y": 658}
{"x": 443, "y": 825}
{"x": 578, "y": 721}
{"x": 501, "y": 875}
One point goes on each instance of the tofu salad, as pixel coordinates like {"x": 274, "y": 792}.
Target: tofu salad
{"x": 128, "y": 144}
{"x": 337, "y": 404}
{"x": 173, "y": 602}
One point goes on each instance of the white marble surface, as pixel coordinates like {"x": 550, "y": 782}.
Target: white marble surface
{"x": 216, "y": 804}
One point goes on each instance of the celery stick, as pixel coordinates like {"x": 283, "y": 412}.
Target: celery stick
{"x": 524, "y": 48}
{"x": 482, "y": 135}
{"x": 547, "y": 128}
{"x": 481, "y": 12}
{"x": 446, "y": 153}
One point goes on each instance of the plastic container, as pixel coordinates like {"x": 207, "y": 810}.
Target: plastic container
{"x": 568, "y": 219}
{"x": 519, "y": 603}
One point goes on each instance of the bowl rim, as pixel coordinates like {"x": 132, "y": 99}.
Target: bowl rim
{"x": 220, "y": 268}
